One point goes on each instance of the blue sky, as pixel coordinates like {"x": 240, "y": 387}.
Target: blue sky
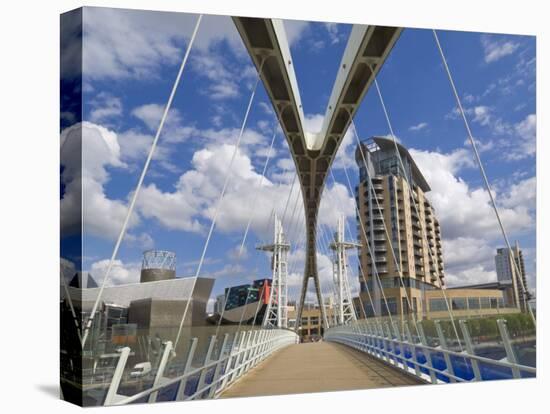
{"x": 130, "y": 61}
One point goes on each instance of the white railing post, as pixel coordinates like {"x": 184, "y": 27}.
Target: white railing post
{"x": 249, "y": 355}
{"x": 444, "y": 346}
{"x": 207, "y": 360}
{"x": 228, "y": 366}
{"x": 389, "y": 342}
{"x": 412, "y": 343}
{"x": 398, "y": 344}
{"x": 426, "y": 352}
{"x": 236, "y": 358}
{"x": 217, "y": 371}
{"x": 470, "y": 348}
{"x": 112, "y": 393}
{"x": 160, "y": 371}
{"x": 188, "y": 364}
{"x": 260, "y": 347}
{"x": 510, "y": 354}
{"x": 242, "y": 357}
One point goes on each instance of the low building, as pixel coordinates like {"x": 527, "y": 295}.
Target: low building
{"x": 465, "y": 301}
{"x": 139, "y": 315}
{"x": 242, "y": 304}
{"x": 310, "y": 327}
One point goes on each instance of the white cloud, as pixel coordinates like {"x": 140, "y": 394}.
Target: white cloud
{"x": 527, "y": 144}
{"x": 495, "y": 49}
{"x": 522, "y": 194}
{"x": 121, "y": 273}
{"x": 463, "y": 211}
{"x": 468, "y": 224}
{"x": 418, "y": 127}
{"x": 295, "y": 29}
{"x": 88, "y": 152}
{"x": 104, "y": 107}
{"x": 333, "y": 32}
{"x": 515, "y": 141}
{"x": 482, "y": 115}
{"x": 470, "y": 276}
{"x": 225, "y": 79}
{"x": 136, "y": 43}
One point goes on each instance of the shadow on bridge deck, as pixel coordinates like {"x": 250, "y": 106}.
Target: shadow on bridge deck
{"x": 317, "y": 367}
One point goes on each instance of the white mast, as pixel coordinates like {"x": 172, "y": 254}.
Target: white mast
{"x": 345, "y": 312}
{"x": 276, "y": 315}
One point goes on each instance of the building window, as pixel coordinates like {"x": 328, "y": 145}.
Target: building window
{"x": 314, "y": 320}
{"x": 388, "y": 304}
{"x": 437, "y": 305}
{"x": 305, "y": 321}
{"x": 458, "y": 303}
{"x": 369, "y": 311}
{"x": 494, "y": 303}
{"x": 485, "y": 303}
{"x": 473, "y": 303}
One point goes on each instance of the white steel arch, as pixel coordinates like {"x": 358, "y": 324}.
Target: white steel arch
{"x": 313, "y": 153}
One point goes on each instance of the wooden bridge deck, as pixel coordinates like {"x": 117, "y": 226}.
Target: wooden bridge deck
{"x": 317, "y": 367}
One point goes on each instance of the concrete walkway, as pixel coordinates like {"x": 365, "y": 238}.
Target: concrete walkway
{"x": 317, "y": 367}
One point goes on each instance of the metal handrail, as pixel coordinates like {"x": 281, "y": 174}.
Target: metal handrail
{"x": 383, "y": 347}
{"x": 247, "y": 350}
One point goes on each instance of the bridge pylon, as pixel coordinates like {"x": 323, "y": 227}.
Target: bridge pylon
{"x": 345, "y": 312}
{"x": 276, "y": 315}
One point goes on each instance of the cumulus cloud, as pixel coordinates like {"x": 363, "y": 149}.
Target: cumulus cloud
{"x": 468, "y": 224}
{"x": 121, "y": 273}
{"x": 88, "y": 153}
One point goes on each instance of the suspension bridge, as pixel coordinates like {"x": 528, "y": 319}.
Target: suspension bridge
{"x": 356, "y": 352}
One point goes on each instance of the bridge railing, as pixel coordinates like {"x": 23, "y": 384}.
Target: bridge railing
{"x": 235, "y": 357}
{"x": 435, "y": 360}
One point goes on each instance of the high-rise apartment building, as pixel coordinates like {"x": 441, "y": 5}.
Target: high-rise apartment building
{"x": 401, "y": 252}
{"x": 508, "y": 263}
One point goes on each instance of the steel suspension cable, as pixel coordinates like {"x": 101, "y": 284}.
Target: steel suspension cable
{"x": 260, "y": 183}
{"x": 388, "y": 238}
{"x": 414, "y": 203}
{"x": 369, "y": 249}
{"x": 353, "y": 238}
{"x": 481, "y": 169}
{"x": 71, "y": 307}
{"x": 221, "y": 197}
{"x": 140, "y": 182}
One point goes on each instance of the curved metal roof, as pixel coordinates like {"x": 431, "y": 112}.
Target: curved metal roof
{"x": 388, "y": 144}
